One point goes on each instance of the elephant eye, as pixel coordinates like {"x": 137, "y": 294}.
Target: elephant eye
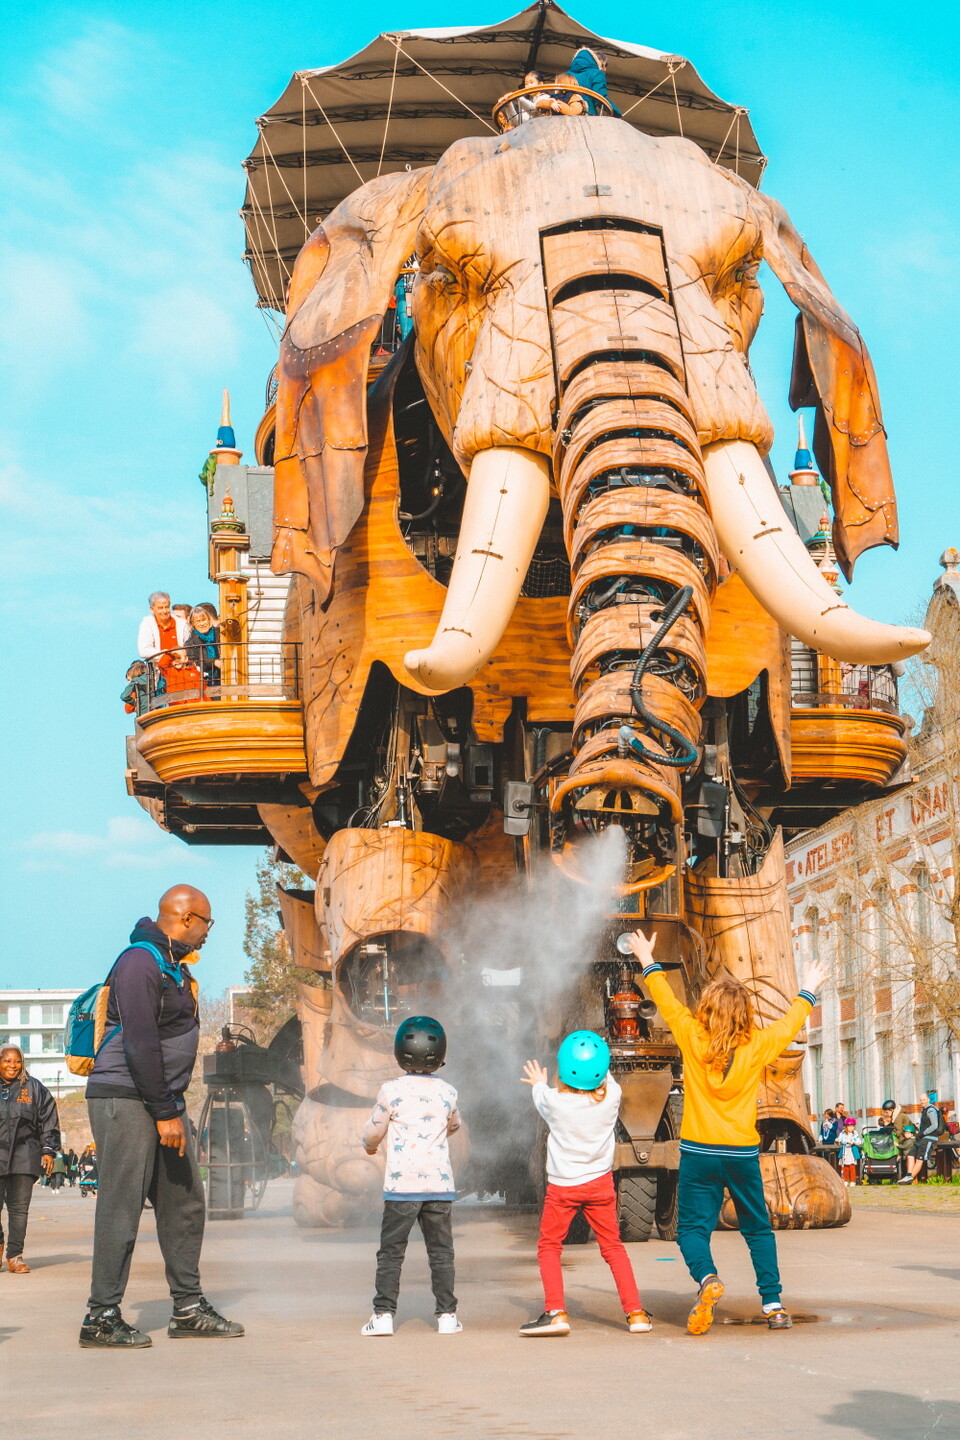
{"x": 440, "y": 275}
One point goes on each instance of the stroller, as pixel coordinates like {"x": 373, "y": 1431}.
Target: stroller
{"x": 88, "y": 1182}
{"x": 880, "y": 1157}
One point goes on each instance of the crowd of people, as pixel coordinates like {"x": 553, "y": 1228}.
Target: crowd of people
{"x": 179, "y": 649}
{"x": 916, "y": 1141}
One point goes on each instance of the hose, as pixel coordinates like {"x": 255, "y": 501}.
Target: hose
{"x": 670, "y": 614}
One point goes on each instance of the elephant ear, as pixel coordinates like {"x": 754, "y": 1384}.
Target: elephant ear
{"x": 833, "y": 372}
{"x": 340, "y": 290}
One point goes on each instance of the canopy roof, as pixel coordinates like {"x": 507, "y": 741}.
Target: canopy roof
{"x": 407, "y": 96}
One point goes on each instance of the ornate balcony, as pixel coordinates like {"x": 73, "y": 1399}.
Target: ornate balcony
{"x": 845, "y": 723}
{"x": 204, "y": 756}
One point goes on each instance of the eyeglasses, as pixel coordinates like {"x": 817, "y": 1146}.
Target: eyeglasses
{"x": 207, "y": 920}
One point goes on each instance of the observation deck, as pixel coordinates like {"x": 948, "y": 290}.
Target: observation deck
{"x": 203, "y": 758}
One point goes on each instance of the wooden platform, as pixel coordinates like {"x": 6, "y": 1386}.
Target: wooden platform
{"x": 215, "y": 738}
{"x": 841, "y": 743}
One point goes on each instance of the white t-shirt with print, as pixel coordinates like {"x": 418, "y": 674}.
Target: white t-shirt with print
{"x": 413, "y": 1115}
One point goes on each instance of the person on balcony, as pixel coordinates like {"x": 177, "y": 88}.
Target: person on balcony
{"x": 161, "y": 631}
{"x": 180, "y": 675}
{"x": 136, "y": 693}
{"x": 203, "y": 643}
{"x": 565, "y": 101}
{"x": 589, "y": 69}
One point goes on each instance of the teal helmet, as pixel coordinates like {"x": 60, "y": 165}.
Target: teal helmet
{"x": 583, "y": 1060}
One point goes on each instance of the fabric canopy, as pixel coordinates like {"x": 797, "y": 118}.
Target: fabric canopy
{"x": 406, "y": 97}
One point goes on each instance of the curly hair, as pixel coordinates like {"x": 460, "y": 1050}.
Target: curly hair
{"x": 725, "y": 1010}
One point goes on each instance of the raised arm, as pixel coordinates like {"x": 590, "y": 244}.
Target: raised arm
{"x": 674, "y": 1012}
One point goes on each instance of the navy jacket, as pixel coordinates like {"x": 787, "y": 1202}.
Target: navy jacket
{"x": 152, "y": 1055}
{"x": 28, "y": 1125}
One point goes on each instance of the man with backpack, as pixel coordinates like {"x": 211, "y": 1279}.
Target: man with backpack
{"x": 932, "y": 1125}
{"x": 143, "y": 1064}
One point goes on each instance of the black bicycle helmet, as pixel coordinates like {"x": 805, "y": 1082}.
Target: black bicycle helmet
{"x": 420, "y": 1045}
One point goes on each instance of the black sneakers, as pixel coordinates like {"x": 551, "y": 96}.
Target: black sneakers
{"x": 551, "y": 1322}
{"x": 109, "y": 1329}
{"x": 200, "y": 1319}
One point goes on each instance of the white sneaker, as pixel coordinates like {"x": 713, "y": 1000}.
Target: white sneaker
{"x": 380, "y": 1323}
{"x": 448, "y": 1324}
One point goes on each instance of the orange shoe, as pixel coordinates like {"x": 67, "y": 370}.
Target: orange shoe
{"x": 18, "y": 1265}
{"x": 701, "y": 1316}
{"x": 639, "y": 1322}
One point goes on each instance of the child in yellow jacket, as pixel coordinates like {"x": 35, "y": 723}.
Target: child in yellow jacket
{"x": 724, "y": 1056}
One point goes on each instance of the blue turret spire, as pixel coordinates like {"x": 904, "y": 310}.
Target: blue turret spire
{"x": 225, "y": 436}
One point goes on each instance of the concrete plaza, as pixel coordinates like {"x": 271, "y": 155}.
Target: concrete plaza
{"x": 875, "y": 1357}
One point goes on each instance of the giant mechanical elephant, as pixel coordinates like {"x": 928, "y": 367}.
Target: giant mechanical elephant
{"x": 577, "y": 391}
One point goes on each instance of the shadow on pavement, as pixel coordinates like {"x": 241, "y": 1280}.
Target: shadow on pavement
{"x": 888, "y": 1415}
{"x": 933, "y": 1270}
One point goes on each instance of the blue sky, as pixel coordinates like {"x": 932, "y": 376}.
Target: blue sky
{"x": 126, "y": 307}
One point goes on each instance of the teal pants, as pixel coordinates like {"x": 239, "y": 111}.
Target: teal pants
{"x": 703, "y": 1179}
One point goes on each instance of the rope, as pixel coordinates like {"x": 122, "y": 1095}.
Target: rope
{"x": 653, "y": 91}
{"x": 333, "y": 128}
{"x": 386, "y": 124}
{"x": 263, "y": 137}
{"x": 303, "y": 127}
{"x": 676, "y": 101}
{"x": 407, "y": 56}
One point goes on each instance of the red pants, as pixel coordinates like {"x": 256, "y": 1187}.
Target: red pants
{"x": 598, "y": 1201}
{"x": 849, "y": 1172}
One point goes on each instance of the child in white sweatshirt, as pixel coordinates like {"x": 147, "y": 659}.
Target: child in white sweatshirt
{"x": 581, "y": 1114}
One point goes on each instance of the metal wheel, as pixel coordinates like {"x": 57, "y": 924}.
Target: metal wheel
{"x": 668, "y": 1179}
{"x": 637, "y": 1203}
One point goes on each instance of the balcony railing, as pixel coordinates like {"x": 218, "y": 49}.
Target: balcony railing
{"x": 253, "y": 671}
{"x": 862, "y": 687}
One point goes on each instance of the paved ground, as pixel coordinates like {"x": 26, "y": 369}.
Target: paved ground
{"x": 877, "y": 1356}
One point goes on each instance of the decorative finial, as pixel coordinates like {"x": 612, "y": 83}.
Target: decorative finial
{"x": 804, "y": 471}
{"x": 225, "y": 450}
{"x": 228, "y": 521}
{"x": 950, "y": 559}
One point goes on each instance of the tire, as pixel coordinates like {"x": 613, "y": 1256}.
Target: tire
{"x": 667, "y": 1205}
{"x": 668, "y": 1180}
{"x": 637, "y": 1203}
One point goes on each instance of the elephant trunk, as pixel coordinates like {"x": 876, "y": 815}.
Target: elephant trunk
{"x": 642, "y": 548}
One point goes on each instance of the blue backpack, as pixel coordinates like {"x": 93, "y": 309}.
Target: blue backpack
{"x": 84, "y": 1033}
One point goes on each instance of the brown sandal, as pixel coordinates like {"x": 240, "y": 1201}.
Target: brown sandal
{"x": 18, "y": 1265}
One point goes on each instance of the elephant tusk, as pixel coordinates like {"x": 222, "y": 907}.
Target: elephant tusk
{"x": 760, "y": 543}
{"x": 506, "y": 504}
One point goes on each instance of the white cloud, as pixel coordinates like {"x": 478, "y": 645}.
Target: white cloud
{"x": 88, "y": 73}
{"x": 128, "y": 842}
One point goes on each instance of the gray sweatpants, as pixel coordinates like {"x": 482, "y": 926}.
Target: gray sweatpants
{"x": 134, "y": 1167}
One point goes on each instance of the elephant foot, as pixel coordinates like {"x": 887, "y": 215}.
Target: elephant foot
{"x": 345, "y": 1185}
{"x": 802, "y": 1192}
{"x": 316, "y": 1206}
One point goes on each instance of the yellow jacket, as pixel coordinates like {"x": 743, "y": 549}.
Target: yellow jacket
{"x": 721, "y": 1109}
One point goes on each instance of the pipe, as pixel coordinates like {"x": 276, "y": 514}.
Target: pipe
{"x": 508, "y": 493}
{"x": 760, "y": 543}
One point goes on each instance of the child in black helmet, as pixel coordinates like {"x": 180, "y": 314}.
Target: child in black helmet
{"x": 415, "y": 1113}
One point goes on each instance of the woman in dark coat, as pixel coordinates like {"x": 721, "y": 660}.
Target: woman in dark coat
{"x": 203, "y": 642}
{"x": 29, "y": 1139}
